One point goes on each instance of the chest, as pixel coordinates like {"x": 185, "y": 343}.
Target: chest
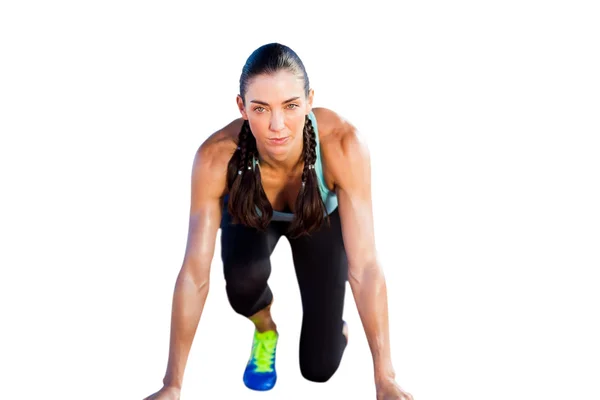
{"x": 282, "y": 191}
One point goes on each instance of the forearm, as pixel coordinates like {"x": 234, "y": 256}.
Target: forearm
{"x": 370, "y": 294}
{"x": 188, "y": 302}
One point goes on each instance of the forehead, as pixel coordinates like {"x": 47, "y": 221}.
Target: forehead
{"x": 275, "y": 87}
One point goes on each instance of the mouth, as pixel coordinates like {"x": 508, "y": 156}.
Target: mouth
{"x": 279, "y": 141}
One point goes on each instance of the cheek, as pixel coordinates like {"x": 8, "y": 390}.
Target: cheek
{"x": 259, "y": 127}
{"x": 297, "y": 123}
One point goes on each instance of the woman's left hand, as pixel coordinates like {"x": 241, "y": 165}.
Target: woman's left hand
{"x": 390, "y": 390}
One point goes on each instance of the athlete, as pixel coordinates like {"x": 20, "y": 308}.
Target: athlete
{"x": 284, "y": 169}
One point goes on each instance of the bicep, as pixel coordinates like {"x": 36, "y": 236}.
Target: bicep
{"x": 356, "y": 206}
{"x": 202, "y": 234}
{"x": 207, "y": 186}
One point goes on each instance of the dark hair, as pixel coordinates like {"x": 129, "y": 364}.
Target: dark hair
{"x": 248, "y": 203}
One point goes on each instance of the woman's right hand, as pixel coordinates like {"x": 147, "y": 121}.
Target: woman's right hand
{"x": 166, "y": 393}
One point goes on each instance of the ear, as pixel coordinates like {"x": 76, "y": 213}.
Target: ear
{"x": 309, "y": 101}
{"x": 240, "y": 104}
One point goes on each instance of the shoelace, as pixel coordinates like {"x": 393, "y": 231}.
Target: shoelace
{"x": 263, "y": 350}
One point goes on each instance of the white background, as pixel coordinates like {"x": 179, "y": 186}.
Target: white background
{"x": 482, "y": 119}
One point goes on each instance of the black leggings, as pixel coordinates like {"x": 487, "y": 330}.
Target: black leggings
{"x": 322, "y": 271}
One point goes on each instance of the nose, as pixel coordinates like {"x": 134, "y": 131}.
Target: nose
{"x": 277, "y": 121}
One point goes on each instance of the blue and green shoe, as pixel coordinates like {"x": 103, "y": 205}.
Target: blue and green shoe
{"x": 260, "y": 371}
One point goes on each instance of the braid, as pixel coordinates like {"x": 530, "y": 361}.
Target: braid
{"x": 311, "y": 151}
{"x": 310, "y": 208}
{"x": 243, "y": 145}
{"x": 238, "y": 159}
{"x": 248, "y": 203}
{"x": 307, "y": 134}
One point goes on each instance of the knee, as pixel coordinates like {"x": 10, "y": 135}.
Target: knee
{"x": 316, "y": 370}
{"x": 246, "y": 278}
{"x": 246, "y": 287}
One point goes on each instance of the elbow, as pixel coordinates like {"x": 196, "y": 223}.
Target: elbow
{"x": 365, "y": 272}
{"x": 196, "y": 275}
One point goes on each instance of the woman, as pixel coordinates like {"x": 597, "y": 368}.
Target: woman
{"x": 283, "y": 169}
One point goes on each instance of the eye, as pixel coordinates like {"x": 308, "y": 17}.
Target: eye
{"x": 294, "y": 106}
{"x": 259, "y": 109}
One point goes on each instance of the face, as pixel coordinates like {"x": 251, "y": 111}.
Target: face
{"x": 275, "y": 108}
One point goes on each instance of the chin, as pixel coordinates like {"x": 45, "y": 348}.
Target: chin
{"x": 279, "y": 153}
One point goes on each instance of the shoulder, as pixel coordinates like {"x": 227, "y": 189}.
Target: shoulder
{"x": 337, "y": 134}
{"x": 343, "y": 147}
{"x": 213, "y": 155}
{"x": 221, "y": 143}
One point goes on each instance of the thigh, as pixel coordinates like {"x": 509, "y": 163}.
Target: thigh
{"x": 246, "y": 251}
{"x": 321, "y": 264}
{"x": 321, "y": 267}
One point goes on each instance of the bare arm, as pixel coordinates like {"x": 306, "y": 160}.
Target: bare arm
{"x": 347, "y": 159}
{"x": 365, "y": 273}
{"x": 192, "y": 284}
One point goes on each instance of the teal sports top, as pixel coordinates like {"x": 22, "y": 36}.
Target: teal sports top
{"x": 329, "y": 197}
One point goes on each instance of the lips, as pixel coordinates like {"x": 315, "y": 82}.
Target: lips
{"x": 279, "y": 141}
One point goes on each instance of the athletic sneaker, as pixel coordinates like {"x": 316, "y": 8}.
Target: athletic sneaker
{"x": 260, "y": 371}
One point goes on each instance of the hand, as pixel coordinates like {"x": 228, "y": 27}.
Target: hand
{"x": 388, "y": 389}
{"x": 166, "y": 393}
